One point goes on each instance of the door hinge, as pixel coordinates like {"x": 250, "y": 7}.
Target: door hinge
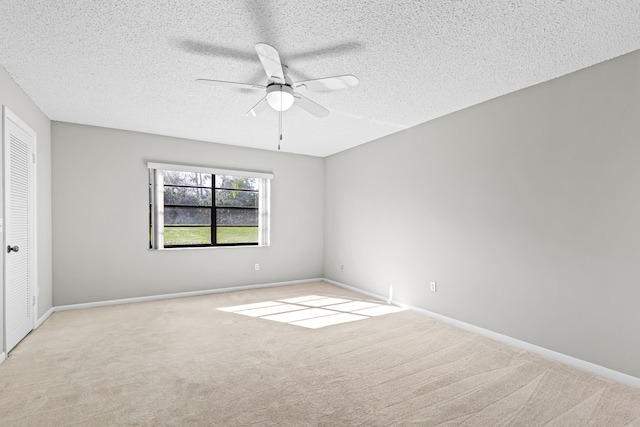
{"x": 33, "y": 155}
{"x": 34, "y": 300}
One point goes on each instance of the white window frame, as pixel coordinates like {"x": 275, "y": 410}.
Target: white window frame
{"x": 157, "y": 201}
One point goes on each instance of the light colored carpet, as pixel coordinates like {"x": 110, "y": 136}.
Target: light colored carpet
{"x": 184, "y": 362}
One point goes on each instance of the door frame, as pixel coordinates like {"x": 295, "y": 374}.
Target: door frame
{"x": 8, "y": 115}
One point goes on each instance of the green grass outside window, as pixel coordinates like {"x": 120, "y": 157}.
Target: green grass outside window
{"x": 201, "y": 235}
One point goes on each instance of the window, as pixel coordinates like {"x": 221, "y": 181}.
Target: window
{"x": 198, "y": 207}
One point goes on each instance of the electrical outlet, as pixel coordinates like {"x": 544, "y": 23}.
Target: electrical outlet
{"x": 433, "y": 287}
{"x": 257, "y": 267}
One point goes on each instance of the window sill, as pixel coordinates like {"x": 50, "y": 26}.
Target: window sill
{"x": 208, "y": 248}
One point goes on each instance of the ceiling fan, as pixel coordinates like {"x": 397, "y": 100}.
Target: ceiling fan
{"x": 281, "y": 91}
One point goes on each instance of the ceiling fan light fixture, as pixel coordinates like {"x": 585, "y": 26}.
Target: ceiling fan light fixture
{"x": 280, "y": 97}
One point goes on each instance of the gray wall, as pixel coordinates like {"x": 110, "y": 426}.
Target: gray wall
{"x": 101, "y": 216}
{"x": 525, "y": 210}
{"x": 12, "y": 96}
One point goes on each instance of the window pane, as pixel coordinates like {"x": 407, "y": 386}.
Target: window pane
{"x": 245, "y": 199}
{"x": 187, "y": 216}
{"x": 187, "y": 235}
{"x": 187, "y": 196}
{"x": 237, "y": 217}
{"x": 193, "y": 179}
{"x": 237, "y": 234}
{"x": 236, "y": 182}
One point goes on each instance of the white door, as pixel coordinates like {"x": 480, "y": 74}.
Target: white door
{"x": 19, "y": 236}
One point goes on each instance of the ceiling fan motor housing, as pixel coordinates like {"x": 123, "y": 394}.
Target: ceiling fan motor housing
{"x": 280, "y": 96}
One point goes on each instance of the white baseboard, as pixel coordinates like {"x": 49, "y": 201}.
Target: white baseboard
{"x": 44, "y": 317}
{"x": 549, "y": 354}
{"x": 2, "y": 357}
{"x": 361, "y": 292}
{"x": 178, "y": 295}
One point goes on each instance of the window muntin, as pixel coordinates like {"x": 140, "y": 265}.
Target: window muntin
{"x": 186, "y": 215}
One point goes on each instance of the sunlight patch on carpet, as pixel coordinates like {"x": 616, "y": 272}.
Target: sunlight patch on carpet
{"x": 250, "y": 306}
{"x": 334, "y": 319}
{"x": 314, "y": 311}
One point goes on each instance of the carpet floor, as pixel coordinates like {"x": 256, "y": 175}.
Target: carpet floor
{"x": 301, "y": 355}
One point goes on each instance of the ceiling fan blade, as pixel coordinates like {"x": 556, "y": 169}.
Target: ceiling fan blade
{"x": 230, "y": 84}
{"x": 309, "y": 106}
{"x": 328, "y": 83}
{"x": 271, "y": 62}
{"x": 258, "y": 108}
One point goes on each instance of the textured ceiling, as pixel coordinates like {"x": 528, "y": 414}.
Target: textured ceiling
{"x": 132, "y": 64}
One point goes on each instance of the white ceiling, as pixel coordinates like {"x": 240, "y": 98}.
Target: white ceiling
{"x": 132, "y": 64}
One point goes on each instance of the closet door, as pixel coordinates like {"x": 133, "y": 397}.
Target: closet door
{"x": 19, "y": 235}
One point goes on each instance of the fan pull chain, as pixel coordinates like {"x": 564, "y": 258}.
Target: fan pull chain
{"x": 280, "y": 122}
{"x": 279, "y": 129}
